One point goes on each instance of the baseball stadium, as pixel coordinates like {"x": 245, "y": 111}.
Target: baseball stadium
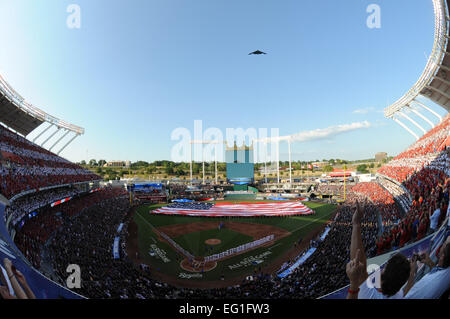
{"x": 240, "y": 227}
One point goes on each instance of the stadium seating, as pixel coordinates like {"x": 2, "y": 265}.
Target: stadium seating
{"x": 88, "y": 223}
{"x": 37, "y": 230}
{"x": 400, "y": 194}
{"x": 334, "y": 189}
{"x": 425, "y": 152}
{"x": 423, "y": 170}
{"x": 31, "y": 202}
{"x": 322, "y": 273}
{"x": 26, "y": 166}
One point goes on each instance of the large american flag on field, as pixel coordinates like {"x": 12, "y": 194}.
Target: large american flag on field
{"x": 289, "y": 208}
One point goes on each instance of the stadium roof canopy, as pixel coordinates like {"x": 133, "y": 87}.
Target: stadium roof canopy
{"x": 434, "y": 83}
{"x": 24, "y": 118}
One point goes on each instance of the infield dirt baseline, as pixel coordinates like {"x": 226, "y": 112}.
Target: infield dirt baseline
{"x": 256, "y": 231}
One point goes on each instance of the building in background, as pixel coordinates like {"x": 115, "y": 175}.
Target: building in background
{"x": 379, "y": 157}
{"x": 118, "y": 164}
{"x": 319, "y": 165}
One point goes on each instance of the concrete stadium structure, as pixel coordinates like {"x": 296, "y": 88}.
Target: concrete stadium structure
{"x": 24, "y": 118}
{"x": 433, "y": 84}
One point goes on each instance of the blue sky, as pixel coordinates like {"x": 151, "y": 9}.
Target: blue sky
{"x": 138, "y": 69}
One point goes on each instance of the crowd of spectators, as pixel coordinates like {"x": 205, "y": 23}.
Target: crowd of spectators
{"x": 86, "y": 239}
{"x": 401, "y": 170}
{"x": 334, "y": 189}
{"x": 26, "y": 152}
{"x": 423, "y": 171}
{"x": 427, "y": 152}
{"x": 398, "y": 278}
{"x": 399, "y": 193}
{"x": 430, "y": 190}
{"x": 375, "y": 192}
{"x": 193, "y": 205}
{"x": 36, "y": 231}
{"x": 25, "y": 166}
{"x": 390, "y": 212}
{"x": 430, "y": 142}
{"x": 31, "y": 202}
{"x": 197, "y": 193}
{"x": 82, "y": 230}
{"x": 16, "y": 178}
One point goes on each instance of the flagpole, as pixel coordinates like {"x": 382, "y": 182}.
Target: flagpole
{"x": 215, "y": 164}
{"x": 290, "y": 163}
{"x": 265, "y": 162}
{"x": 278, "y": 162}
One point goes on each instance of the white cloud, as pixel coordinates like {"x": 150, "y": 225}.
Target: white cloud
{"x": 321, "y": 134}
{"x": 379, "y": 123}
{"x": 366, "y": 110}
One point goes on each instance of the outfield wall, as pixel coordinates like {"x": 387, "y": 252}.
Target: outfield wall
{"x": 240, "y": 249}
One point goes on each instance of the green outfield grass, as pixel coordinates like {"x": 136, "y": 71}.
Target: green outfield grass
{"x": 299, "y": 226}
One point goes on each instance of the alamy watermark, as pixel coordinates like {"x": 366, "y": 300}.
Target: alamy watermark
{"x": 208, "y": 145}
{"x": 374, "y": 19}
{"x": 74, "y": 19}
{"x": 74, "y": 279}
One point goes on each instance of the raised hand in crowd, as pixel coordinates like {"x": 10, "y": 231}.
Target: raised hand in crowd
{"x": 356, "y": 272}
{"x": 15, "y": 276}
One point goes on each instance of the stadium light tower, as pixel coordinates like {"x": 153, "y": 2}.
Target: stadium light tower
{"x": 203, "y": 169}
{"x": 203, "y": 142}
{"x": 272, "y": 140}
{"x": 290, "y": 161}
{"x": 265, "y": 162}
{"x": 277, "y": 141}
{"x": 265, "y": 170}
{"x": 278, "y": 161}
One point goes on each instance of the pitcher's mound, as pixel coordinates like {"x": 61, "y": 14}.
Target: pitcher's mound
{"x": 213, "y": 241}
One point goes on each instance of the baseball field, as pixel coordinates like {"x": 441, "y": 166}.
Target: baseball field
{"x": 205, "y": 236}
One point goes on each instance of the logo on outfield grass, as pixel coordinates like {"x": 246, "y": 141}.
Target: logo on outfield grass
{"x": 249, "y": 261}
{"x": 158, "y": 253}
{"x": 189, "y": 276}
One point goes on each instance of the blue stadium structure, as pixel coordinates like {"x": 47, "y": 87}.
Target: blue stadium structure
{"x": 240, "y": 165}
